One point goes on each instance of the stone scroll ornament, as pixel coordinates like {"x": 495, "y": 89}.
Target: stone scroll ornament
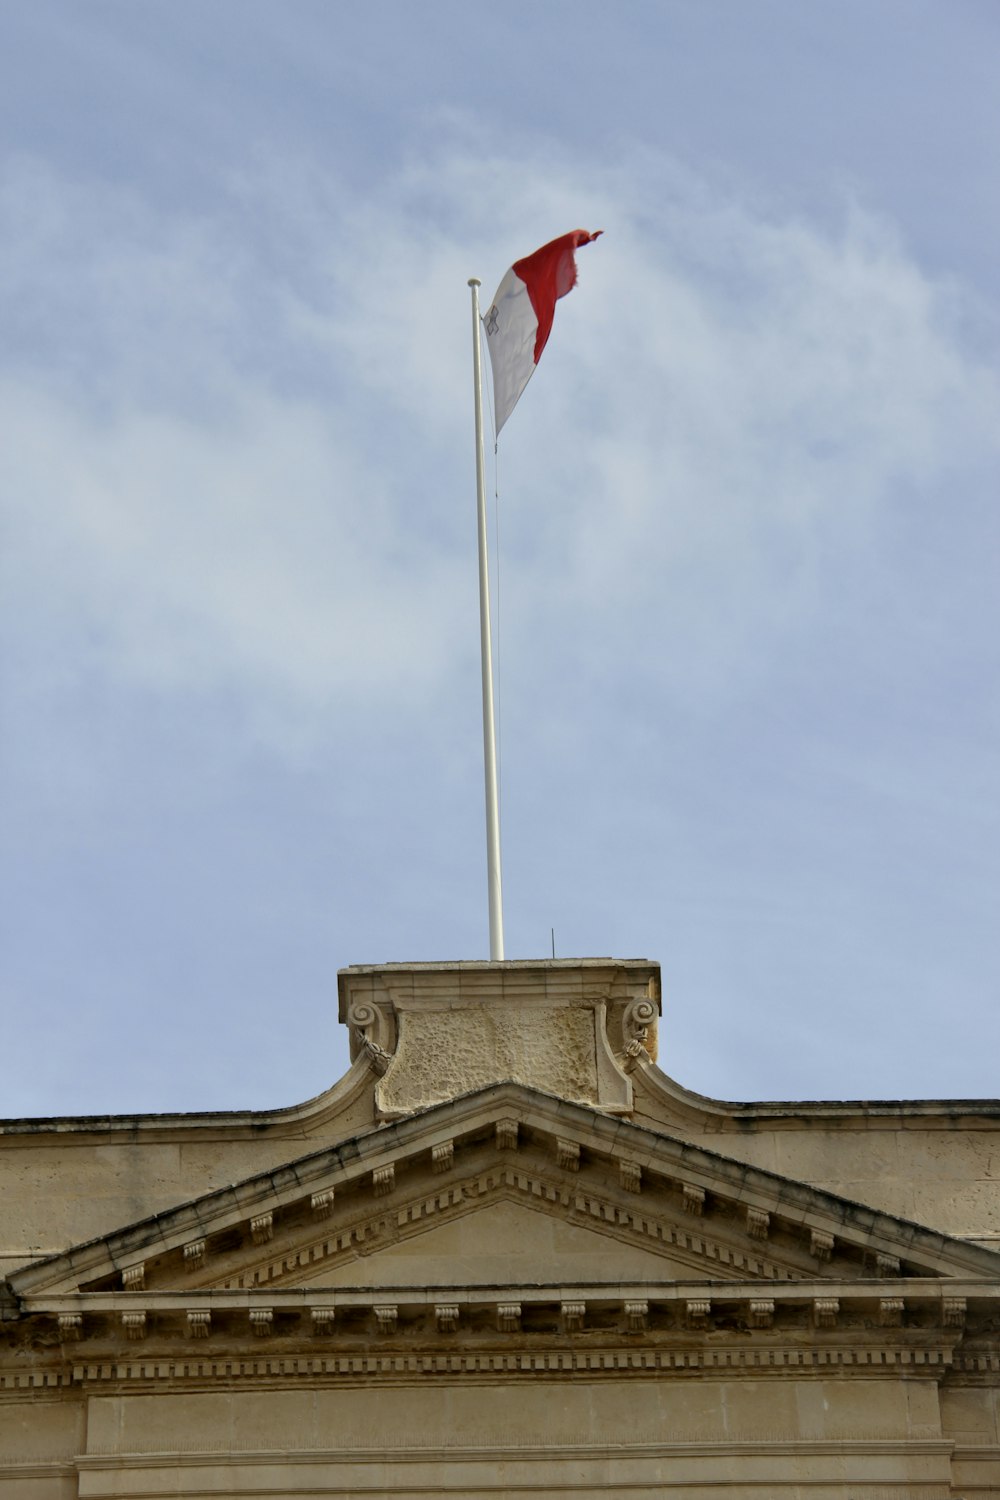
{"x": 364, "y": 1017}
{"x": 638, "y": 1018}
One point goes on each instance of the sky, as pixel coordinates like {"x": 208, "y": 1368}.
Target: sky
{"x": 744, "y": 526}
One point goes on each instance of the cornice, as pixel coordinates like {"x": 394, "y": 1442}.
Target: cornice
{"x": 920, "y": 1329}
{"x": 744, "y": 1445}
{"x": 136, "y": 1371}
{"x": 575, "y": 1159}
{"x": 656, "y": 1087}
{"x": 937, "y": 1301}
{"x": 293, "y": 1121}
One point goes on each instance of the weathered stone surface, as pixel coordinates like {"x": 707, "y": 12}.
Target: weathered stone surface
{"x": 437, "y": 1058}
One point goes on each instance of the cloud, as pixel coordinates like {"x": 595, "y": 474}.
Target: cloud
{"x": 243, "y": 463}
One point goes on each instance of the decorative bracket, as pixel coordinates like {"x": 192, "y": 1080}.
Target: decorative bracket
{"x": 694, "y": 1198}
{"x": 446, "y": 1316}
{"x": 199, "y": 1323}
{"x": 508, "y": 1317}
{"x": 386, "y": 1316}
{"x": 134, "y": 1325}
{"x": 573, "y": 1315}
{"x": 262, "y": 1321}
{"x": 323, "y": 1319}
{"x": 820, "y": 1244}
{"x": 262, "y": 1228}
{"x": 630, "y": 1175}
{"x": 758, "y": 1223}
{"x": 698, "y": 1311}
{"x": 762, "y": 1313}
{"x": 639, "y": 1032}
{"x": 371, "y": 1033}
{"x": 443, "y": 1156}
{"x": 636, "y": 1316}
{"x": 194, "y": 1255}
{"x": 825, "y": 1312}
{"x": 70, "y": 1326}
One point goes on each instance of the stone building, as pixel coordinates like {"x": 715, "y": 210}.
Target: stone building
{"x": 507, "y": 1256}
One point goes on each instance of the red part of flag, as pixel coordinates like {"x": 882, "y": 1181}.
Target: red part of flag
{"x": 549, "y": 273}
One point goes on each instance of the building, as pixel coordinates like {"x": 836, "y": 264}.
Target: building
{"x": 505, "y": 1255}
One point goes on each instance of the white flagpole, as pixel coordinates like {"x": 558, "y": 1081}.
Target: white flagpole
{"x": 486, "y": 648}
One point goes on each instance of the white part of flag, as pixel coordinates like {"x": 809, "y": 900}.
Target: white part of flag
{"x": 511, "y": 327}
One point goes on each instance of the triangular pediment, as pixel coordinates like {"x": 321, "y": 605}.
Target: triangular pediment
{"x": 504, "y": 1186}
{"x": 502, "y": 1242}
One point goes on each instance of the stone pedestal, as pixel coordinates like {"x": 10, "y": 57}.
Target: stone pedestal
{"x": 570, "y": 1027}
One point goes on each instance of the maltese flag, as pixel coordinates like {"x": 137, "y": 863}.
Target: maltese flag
{"x": 519, "y": 321}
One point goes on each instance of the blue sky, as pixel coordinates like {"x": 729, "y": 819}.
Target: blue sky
{"x": 747, "y": 520}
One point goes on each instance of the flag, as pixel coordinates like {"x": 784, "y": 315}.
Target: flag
{"x": 519, "y": 321}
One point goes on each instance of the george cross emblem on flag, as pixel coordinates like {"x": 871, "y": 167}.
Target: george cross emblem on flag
{"x": 491, "y": 320}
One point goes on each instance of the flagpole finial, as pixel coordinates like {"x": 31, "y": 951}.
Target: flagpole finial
{"x": 474, "y": 281}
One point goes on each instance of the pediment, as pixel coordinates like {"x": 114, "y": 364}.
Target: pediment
{"x": 504, "y": 1186}
{"x": 507, "y": 1240}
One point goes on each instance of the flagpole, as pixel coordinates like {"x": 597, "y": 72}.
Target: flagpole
{"x": 486, "y": 651}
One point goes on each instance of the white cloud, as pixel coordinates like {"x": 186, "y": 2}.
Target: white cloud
{"x": 254, "y": 553}
{"x": 271, "y": 494}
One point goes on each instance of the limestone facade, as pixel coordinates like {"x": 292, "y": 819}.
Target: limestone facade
{"x": 504, "y": 1255}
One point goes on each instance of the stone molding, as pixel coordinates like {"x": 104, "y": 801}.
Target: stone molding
{"x": 764, "y": 1360}
{"x": 318, "y": 1470}
{"x": 392, "y": 1465}
{"x": 503, "y": 1463}
{"x": 921, "y": 1306}
{"x": 707, "y": 1444}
